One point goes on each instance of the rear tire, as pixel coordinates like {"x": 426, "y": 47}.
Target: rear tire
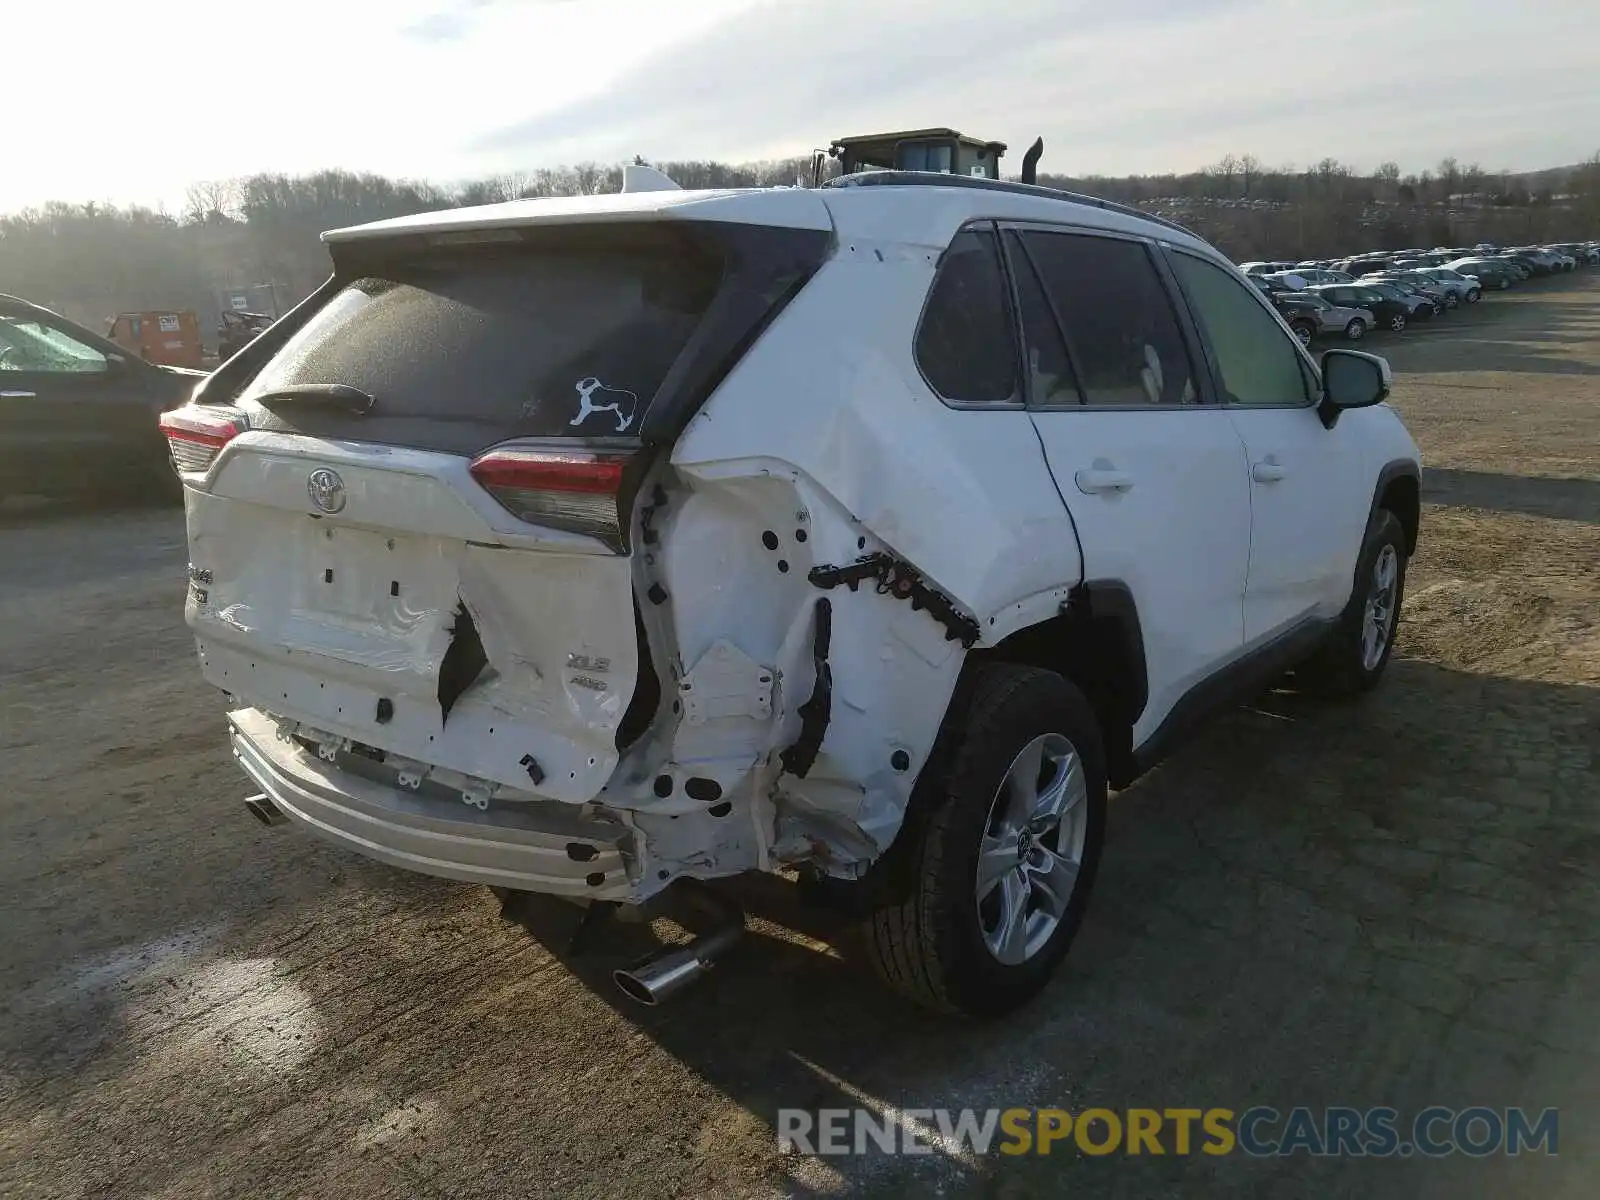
{"x": 1353, "y": 659}
{"x": 1396, "y": 323}
{"x": 1356, "y": 330}
{"x": 1018, "y": 741}
{"x": 1303, "y": 330}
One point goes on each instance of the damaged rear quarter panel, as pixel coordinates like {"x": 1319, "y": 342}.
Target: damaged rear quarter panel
{"x": 852, "y": 448}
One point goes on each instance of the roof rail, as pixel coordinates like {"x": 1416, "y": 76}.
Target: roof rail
{"x": 940, "y": 179}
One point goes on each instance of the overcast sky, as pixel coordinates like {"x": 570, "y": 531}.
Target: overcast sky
{"x": 130, "y": 102}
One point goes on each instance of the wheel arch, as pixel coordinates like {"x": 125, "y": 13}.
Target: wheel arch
{"x": 1399, "y": 490}
{"x": 1094, "y": 640}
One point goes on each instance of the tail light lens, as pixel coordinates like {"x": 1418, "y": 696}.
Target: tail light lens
{"x": 577, "y": 490}
{"x": 195, "y": 435}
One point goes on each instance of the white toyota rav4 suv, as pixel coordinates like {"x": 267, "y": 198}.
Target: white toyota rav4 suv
{"x": 582, "y": 546}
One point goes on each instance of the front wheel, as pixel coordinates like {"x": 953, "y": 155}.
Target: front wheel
{"x": 1356, "y": 330}
{"x": 1006, "y": 845}
{"x": 1353, "y": 658}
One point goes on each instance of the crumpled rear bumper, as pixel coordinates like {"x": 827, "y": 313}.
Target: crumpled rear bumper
{"x": 537, "y": 848}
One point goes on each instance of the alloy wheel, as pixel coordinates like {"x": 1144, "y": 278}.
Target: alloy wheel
{"x": 1032, "y": 849}
{"x": 1377, "y": 625}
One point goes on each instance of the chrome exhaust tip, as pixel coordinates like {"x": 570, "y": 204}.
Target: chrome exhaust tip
{"x": 662, "y": 975}
{"x": 264, "y": 810}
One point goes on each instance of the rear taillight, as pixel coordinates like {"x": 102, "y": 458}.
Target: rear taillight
{"x": 577, "y": 490}
{"x": 195, "y": 435}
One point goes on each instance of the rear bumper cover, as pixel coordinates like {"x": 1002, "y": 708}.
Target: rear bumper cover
{"x": 538, "y": 850}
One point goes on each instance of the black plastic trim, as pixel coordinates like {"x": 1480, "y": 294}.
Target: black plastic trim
{"x": 817, "y": 711}
{"x": 765, "y": 268}
{"x": 895, "y": 577}
{"x": 1111, "y": 599}
{"x": 1239, "y": 680}
{"x": 1398, "y": 468}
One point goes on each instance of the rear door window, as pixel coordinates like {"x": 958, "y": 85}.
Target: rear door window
{"x": 1051, "y": 382}
{"x": 463, "y": 346}
{"x": 1115, "y": 315}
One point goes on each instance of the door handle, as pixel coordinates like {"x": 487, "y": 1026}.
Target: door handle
{"x": 1102, "y": 480}
{"x": 8, "y": 395}
{"x": 1267, "y": 472}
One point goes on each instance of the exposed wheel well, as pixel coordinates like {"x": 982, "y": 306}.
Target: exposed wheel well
{"x": 1402, "y": 496}
{"x": 1104, "y": 657}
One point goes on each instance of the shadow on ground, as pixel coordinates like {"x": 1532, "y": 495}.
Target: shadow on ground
{"x": 1391, "y": 903}
{"x": 1531, "y": 495}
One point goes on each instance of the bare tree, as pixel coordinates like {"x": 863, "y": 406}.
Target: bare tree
{"x": 89, "y": 259}
{"x": 211, "y": 200}
{"x": 1224, "y": 171}
{"x": 1449, "y": 172}
{"x": 1249, "y": 171}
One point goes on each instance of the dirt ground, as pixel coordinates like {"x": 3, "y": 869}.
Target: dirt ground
{"x": 1392, "y": 903}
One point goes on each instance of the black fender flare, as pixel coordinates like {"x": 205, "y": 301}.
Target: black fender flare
{"x": 1397, "y": 468}
{"x": 1112, "y": 600}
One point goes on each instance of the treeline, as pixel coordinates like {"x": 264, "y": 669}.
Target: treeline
{"x": 91, "y": 261}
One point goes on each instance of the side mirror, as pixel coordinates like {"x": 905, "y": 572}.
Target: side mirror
{"x": 1351, "y": 379}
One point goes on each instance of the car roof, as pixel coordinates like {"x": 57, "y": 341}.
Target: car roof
{"x": 919, "y": 208}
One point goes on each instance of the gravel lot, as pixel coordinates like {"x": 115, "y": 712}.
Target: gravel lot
{"x": 1394, "y": 903}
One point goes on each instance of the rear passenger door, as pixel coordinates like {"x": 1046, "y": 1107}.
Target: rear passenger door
{"x": 1151, "y": 468}
{"x": 1308, "y": 500}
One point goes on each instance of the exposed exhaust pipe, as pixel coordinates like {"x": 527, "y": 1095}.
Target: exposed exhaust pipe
{"x": 1030, "y": 161}
{"x": 264, "y": 810}
{"x": 664, "y": 974}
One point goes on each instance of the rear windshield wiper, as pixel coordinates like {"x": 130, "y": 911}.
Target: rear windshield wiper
{"x": 333, "y": 395}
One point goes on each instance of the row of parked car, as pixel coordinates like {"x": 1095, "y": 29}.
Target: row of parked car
{"x": 1389, "y": 290}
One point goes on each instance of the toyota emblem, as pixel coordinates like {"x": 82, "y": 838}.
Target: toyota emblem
{"x": 326, "y": 489}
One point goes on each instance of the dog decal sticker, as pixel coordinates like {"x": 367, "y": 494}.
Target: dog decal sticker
{"x": 595, "y": 397}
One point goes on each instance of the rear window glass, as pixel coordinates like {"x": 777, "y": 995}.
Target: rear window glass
{"x": 516, "y": 341}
